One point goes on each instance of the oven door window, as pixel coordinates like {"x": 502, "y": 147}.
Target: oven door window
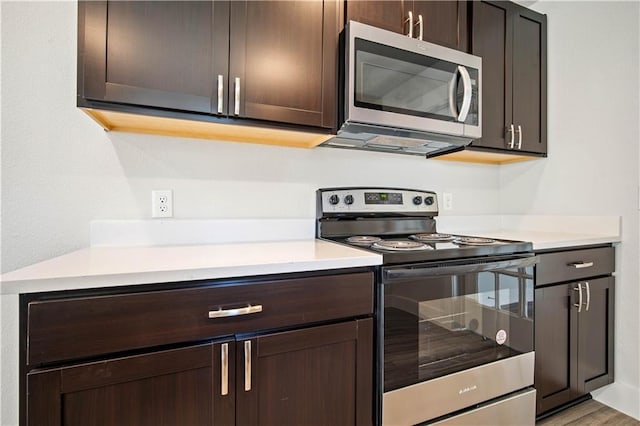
{"x": 439, "y": 325}
{"x": 396, "y": 80}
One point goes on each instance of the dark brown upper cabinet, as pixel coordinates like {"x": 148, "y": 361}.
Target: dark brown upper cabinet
{"x": 443, "y": 22}
{"x": 283, "y": 56}
{"x": 154, "y": 54}
{"x": 512, "y": 41}
{"x": 271, "y": 62}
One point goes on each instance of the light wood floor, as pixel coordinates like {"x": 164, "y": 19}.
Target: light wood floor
{"x": 589, "y": 413}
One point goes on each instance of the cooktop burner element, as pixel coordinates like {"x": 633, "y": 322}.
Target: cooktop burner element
{"x": 363, "y": 240}
{"x": 399, "y": 245}
{"x": 474, "y": 241}
{"x": 431, "y": 237}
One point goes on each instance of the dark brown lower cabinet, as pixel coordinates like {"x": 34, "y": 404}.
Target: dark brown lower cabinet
{"x": 316, "y": 376}
{"x": 574, "y": 325}
{"x": 301, "y": 377}
{"x": 291, "y": 351}
{"x": 163, "y": 388}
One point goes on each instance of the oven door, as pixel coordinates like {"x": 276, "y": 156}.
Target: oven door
{"x": 455, "y": 334}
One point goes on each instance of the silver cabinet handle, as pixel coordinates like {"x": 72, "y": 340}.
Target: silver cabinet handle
{"x": 519, "y": 137}
{"x": 220, "y": 93}
{"x": 237, "y": 96}
{"x": 468, "y": 92}
{"x": 222, "y": 313}
{"x": 580, "y": 265}
{"x": 410, "y": 21}
{"x": 579, "y": 304}
{"x": 453, "y": 107}
{"x": 513, "y": 137}
{"x": 586, "y": 285}
{"x": 247, "y": 365}
{"x": 224, "y": 369}
{"x": 420, "y": 32}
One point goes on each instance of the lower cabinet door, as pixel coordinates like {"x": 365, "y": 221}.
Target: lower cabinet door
{"x": 556, "y": 343}
{"x": 315, "y": 376}
{"x": 174, "y": 387}
{"x": 595, "y": 335}
{"x": 319, "y": 375}
{"x": 574, "y": 340}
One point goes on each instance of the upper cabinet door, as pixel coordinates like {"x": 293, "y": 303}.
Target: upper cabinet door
{"x": 529, "y": 80}
{"x": 388, "y": 15}
{"x": 443, "y": 22}
{"x": 283, "y": 61}
{"x": 160, "y": 54}
{"x": 511, "y": 40}
{"x": 491, "y": 41}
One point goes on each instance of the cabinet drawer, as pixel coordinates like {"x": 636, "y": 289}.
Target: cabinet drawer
{"x": 574, "y": 265}
{"x": 87, "y": 326}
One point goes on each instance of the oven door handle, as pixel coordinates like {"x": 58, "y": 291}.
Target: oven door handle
{"x": 434, "y": 271}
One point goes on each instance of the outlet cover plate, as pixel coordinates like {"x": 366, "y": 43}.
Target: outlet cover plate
{"x": 162, "y": 203}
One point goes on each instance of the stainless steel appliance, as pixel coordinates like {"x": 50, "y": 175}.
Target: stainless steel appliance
{"x": 406, "y": 95}
{"x": 454, "y": 313}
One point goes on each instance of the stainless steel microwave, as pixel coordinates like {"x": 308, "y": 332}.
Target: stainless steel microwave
{"x": 406, "y": 95}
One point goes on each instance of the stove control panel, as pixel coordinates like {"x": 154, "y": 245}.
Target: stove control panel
{"x": 377, "y": 200}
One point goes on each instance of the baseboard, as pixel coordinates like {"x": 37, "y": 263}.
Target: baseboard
{"x": 620, "y": 396}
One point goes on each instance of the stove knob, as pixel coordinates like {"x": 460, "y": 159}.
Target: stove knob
{"x": 334, "y": 199}
{"x": 348, "y": 199}
{"x": 428, "y": 200}
{"x": 417, "y": 201}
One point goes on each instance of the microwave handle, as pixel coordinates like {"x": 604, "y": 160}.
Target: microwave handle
{"x": 453, "y": 107}
{"x": 468, "y": 92}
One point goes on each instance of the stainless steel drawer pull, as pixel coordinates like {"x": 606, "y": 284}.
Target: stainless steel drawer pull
{"x": 519, "y": 137}
{"x": 224, "y": 369}
{"x": 580, "y": 265}
{"x": 586, "y": 285}
{"x": 247, "y": 365}
{"x": 579, "y": 304}
{"x": 222, "y": 313}
{"x": 420, "y": 30}
{"x": 220, "y": 93}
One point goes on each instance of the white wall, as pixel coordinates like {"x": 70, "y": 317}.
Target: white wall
{"x": 593, "y": 132}
{"x": 60, "y": 170}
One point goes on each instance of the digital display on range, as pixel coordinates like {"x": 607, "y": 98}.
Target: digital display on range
{"x": 383, "y": 198}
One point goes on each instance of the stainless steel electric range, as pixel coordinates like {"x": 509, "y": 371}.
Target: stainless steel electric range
{"x": 454, "y": 313}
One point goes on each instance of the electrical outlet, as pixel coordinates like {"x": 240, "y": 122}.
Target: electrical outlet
{"x": 162, "y": 203}
{"x": 447, "y": 200}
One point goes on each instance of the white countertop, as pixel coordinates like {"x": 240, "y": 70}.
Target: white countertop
{"x": 117, "y": 266}
{"x": 545, "y": 232}
{"x": 120, "y": 257}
